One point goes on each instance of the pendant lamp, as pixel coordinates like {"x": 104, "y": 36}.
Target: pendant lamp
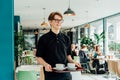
{"x": 87, "y": 25}
{"x": 44, "y": 24}
{"x": 69, "y": 12}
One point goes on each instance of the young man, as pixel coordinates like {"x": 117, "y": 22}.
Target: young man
{"x": 54, "y": 47}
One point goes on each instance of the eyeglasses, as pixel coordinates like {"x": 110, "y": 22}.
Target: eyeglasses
{"x": 58, "y": 20}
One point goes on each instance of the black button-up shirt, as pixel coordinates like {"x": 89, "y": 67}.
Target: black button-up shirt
{"x": 54, "y": 48}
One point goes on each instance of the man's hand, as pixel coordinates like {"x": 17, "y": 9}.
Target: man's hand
{"x": 77, "y": 64}
{"x": 72, "y": 61}
{"x": 48, "y": 67}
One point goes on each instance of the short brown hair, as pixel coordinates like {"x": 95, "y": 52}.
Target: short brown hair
{"x": 51, "y": 16}
{"x": 83, "y": 46}
{"x": 97, "y": 47}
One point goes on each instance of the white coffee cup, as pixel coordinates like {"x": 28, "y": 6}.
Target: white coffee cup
{"x": 71, "y": 65}
{"x": 59, "y": 66}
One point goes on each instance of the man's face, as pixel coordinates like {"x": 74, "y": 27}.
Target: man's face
{"x": 72, "y": 46}
{"x": 56, "y": 22}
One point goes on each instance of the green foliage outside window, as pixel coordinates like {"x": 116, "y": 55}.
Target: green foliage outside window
{"x": 113, "y": 46}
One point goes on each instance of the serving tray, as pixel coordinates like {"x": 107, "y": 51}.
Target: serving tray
{"x": 68, "y": 70}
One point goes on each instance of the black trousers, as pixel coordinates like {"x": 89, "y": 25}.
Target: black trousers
{"x": 57, "y": 76}
{"x": 96, "y": 63}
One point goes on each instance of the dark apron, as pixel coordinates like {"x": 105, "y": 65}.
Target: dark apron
{"x": 57, "y": 76}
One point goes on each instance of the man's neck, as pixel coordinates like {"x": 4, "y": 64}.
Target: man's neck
{"x": 55, "y": 31}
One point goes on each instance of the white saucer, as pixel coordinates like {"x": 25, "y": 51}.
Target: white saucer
{"x": 74, "y": 68}
{"x": 59, "y": 68}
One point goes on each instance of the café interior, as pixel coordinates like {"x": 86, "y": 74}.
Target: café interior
{"x": 92, "y": 23}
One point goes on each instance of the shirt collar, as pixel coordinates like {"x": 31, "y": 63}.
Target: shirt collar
{"x": 53, "y": 34}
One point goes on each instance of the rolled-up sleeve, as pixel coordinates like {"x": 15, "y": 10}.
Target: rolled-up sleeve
{"x": 40, "y": 48}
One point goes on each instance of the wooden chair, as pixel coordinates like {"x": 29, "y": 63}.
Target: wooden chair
{"x": 118, "y": 68}
{"x": 42, "y": 77}
{"x": 113, "y": 67}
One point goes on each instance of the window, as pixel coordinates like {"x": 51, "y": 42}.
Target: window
{"x": 97, "y": 28}
{"x": 113, "y": 25}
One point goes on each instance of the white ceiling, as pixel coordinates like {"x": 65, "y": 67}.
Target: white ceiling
{"x": 31, "y": 11}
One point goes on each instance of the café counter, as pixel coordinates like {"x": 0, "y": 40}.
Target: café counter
{"x": 29, "y": 72}
{"x": 35, "y": 72}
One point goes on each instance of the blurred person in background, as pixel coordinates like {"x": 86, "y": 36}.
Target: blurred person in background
{"x": 74, "y": 50}
{"x": 84, "y": 59}
{"x": 96, "y": 59}
{"x": 83, "y": 54}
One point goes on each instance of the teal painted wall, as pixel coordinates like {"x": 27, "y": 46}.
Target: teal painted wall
{"x": 16, "y": 20}
{"x": 6, "y": 40}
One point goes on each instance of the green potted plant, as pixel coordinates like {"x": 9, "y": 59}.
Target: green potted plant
{"x": 99, "y": 37}
{"x": 19, "y": 45}
{"x": 87, "y": 41}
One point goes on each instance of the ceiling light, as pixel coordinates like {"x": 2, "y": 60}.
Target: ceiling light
{"x": 69, "y": 12}
{"x": 44, "y": 24}
{"x": 87, "y": 25}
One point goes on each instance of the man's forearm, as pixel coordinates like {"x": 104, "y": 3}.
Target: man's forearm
{"x": 41, "y": 61}
{"x": 70, "y": 59}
